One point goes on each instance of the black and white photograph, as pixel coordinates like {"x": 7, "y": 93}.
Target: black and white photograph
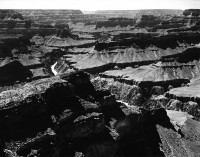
{"x": 99, "y": 78}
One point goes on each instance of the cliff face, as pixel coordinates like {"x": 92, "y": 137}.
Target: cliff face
{"x": 59, "y": 16}
{"x": 134, "y": 51}
{"x": 149, "y": 21}
{"x": 19, "y": 62}
{"x": 130, "y": 94}
{"x": 49, "y": 15}
{"x": 10, "y": 14}
{"x": 138, "y": 13}
{"x": 193, "y": 12}
{"x": 179, "y": 23}
{"x": 113, "y": 22}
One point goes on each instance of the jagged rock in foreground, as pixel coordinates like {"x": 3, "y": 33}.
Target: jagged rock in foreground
{"x": 27, "y": 113}
{"x": 65, "y": 116}
{"x": 30, "y": 102}
{"x": 181, "y": 139}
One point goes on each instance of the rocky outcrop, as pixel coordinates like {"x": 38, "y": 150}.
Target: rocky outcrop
{"x": 38, "y": 102}
{"x": 144, "y": 40}
{"x": 10, "y": 42}
{"x": 4, "y": 50}
{"x": 76, "y": 50}
{"x": 11, "y": 19}
{"x": 148, "y": 21}
{"x": 192, "y": 12}
{"x": 113, "y": 22}
{"x": 173, "y": 73}
{"x": 98, "y": 61}
{"x": 185, "y": 93}
{"x": 18, "y": 48}
{"x": 38, "y": 40}
{"x": 12, "y": 72}
{"x": 187, "y": 100}
{"x": 53, "y": 117}
{"x": 31, "y": 31}
{"x": 54, "y": 41}
{"x": 147, "y": 76}
{"x": 29, "y": 102}
{"x": 179, "y": 24}
{"x": 181, "y": 139}
{"x": 130, "y": 94}
{"x": 10, "y": 14}
{"x": 12, "y": 24}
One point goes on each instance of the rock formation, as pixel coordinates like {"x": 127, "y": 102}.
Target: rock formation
{"x": 193, "y": 12}
{"x": 10, "y": 14}
{"x": 9, "y": 75}
{"x": 113, "y": 22}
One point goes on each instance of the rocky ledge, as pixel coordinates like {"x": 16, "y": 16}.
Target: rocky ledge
{"x": 160, "y": 74}
{"x": 185, "y": 93}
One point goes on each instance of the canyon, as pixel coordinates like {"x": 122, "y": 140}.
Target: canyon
{"x": 104, "y": 83}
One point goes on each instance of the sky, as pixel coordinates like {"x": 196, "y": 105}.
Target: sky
{"x": 92, "y": 5}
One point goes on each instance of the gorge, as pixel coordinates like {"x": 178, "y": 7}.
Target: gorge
{"x": 103, "y": 84}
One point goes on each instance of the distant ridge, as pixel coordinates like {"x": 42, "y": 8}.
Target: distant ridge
{"x": 139, "y": 13}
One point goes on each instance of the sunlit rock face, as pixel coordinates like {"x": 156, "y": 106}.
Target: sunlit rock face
{"x": 131, "y": 94}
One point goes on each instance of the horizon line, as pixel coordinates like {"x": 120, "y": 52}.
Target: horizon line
{"x": 91, "y": 10}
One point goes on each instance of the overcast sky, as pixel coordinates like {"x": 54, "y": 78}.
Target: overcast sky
{"x": 92, "y": 5}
